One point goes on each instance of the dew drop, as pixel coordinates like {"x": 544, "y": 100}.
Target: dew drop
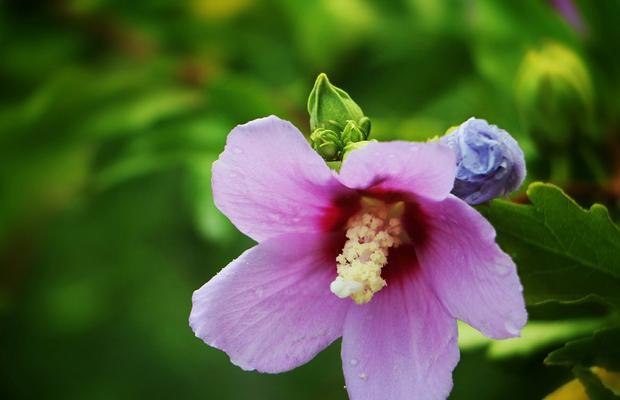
{"x": 363, "y": 376}
{"x": 353, "y": 362}
{"x": 237, "y": 150}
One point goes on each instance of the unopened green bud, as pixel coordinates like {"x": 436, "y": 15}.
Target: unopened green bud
{"x": 364, "y": 125}
{"x": 327, "y": 143}
{"x": 331, "y": 107}
{"x": 335, "y": 119}
{"x": 352, "y": 133}
{"x": 554, "y": 95}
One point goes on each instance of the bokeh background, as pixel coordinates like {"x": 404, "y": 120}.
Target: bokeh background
{"x": 112, "y": 111}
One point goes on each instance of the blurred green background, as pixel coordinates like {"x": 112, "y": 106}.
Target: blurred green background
{"x": 111, "y": 113}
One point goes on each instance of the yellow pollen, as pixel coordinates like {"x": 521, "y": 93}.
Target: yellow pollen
{"x": 370, "y": 234}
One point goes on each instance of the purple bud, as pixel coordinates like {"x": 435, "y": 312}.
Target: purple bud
{"x": 490, "y": 162}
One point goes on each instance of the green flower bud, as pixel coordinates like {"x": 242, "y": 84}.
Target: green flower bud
{"x": 352, "y": 133}
{"x": 364, "y": 126}
{"x": 554, "y": 95}
{"x": 331, "y": 107}
{"x": 327, "y": 143}
{"x": 335, "y": 120}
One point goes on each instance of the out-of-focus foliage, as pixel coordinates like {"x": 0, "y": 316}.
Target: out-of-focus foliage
{"x": 575, "y": 390}
{"x": 599, "y": 350}
{"x": 111, "y": 113}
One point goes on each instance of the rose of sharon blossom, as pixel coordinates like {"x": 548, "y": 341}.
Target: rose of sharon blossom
{"x": 490, "y": 162}
{"x": 380, "y": 254}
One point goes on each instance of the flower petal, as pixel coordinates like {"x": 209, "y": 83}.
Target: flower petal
{"x": 423, "y": 169}
{"x": 269, "y": 181}
{"x": 476, "y": 281}
{"x": 401, "y": 345}
{"x": 271, "y": 309}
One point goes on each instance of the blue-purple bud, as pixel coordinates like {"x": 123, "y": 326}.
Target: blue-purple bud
{"x": 490, "y": 162}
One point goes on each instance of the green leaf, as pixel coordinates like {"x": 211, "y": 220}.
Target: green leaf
{"x": 563, "y": 252}
{"x": 601, "y": 350}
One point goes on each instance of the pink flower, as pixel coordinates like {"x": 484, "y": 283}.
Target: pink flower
{"x": 380, "y": 254}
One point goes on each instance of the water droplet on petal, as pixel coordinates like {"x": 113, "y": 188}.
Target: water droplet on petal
{"x": 363, "y": 376}
{"x": 237, "y": 150}
{"x": 353, "y": 362}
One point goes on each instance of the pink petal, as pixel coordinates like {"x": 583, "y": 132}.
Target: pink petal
{"x": 422, "y": 169}
{"x": 401, "y": 345}
{"x": 269, "y": 181}
{"x": 476, "y": 281}
{"x": 271, "y": 309}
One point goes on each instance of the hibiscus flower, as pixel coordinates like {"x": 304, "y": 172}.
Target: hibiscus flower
{"x": 380, "y": 254}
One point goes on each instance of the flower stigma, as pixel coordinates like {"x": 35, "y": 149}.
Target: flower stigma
{"x": 370, "y": 234}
